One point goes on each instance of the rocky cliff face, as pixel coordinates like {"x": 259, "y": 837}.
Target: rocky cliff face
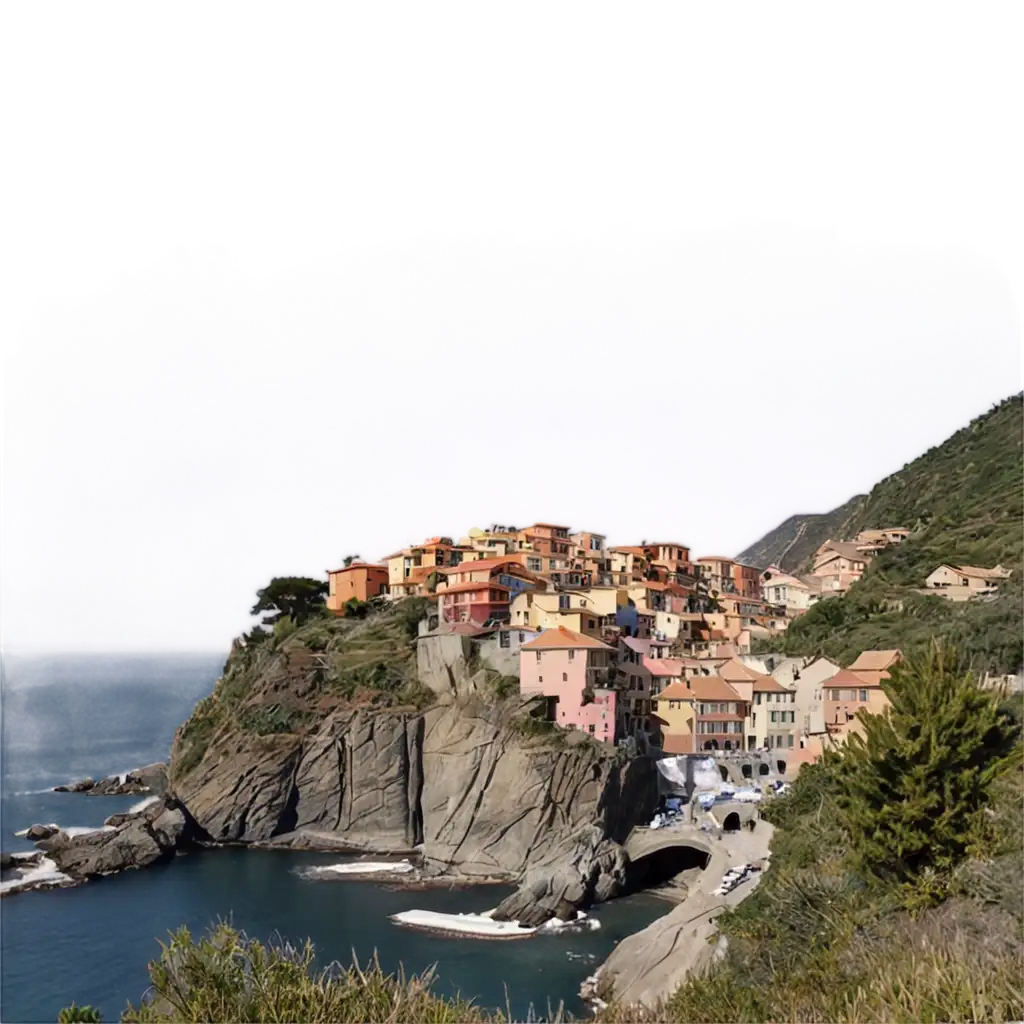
{"x": 459, "y": 779}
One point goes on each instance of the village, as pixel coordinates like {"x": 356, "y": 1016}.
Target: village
{"x": 643, "y": 644}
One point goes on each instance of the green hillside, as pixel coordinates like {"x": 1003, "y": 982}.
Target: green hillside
{"x": 964, "y": 503}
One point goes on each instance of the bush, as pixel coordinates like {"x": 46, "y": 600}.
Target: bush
{"x": 228, "y": 977}
{"x": 75, "y": 1014}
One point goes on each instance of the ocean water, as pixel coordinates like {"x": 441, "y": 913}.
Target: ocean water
{"x": 65, "y": 717}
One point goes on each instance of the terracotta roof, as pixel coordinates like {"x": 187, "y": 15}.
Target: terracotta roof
{"x": 676, "y": 691}
{"x": 765, "y": 684}
{"x": 716, "y": 558}
{"x": 634, "y": 643}
{"x": 563, "y": 639}
{"x": 484, "y": 563}
{"x": 977, "y": 572}
{"x": 713, "y": 688}
{"x": 849, "y": 679}
{"x": 847, "y": 550}
{"x": 875, "y": 661}
{"x": 461, "y": 588}
{"x": 359, "y": 565}
{"x": 664, "y": 667}
{"x": 736, "y": 671}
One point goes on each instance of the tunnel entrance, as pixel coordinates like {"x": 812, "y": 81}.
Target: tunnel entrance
{"x": 762, "y": 768}
{"x": 781, "y": 766}
{"x": 731, "y": 823}
{"x": 724, "y": 772}
{"x": 662, "y": 866}
{"x": 747, "y": 771}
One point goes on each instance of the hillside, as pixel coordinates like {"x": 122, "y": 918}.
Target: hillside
{"x": 962, "y": 497}
{"x": 793, "y": 542}
{"x": 964, "y": 503}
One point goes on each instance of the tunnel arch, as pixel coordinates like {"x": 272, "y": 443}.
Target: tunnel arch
{"x": 732, "y": 822}
{"x": 664, "y": 863}
{"x": 747, "y": 771}
{"x": 763, "y": 769}
{"x": 724, "y": 772}
{"x": 780, "y": 766}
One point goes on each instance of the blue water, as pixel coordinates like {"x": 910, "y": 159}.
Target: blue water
{"x": 66, "y": 717}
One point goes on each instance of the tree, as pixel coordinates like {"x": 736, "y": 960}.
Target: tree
{"x": 913, "y": 788}
{"x": 297, "y": 597}
{"x": 349, "y": 559}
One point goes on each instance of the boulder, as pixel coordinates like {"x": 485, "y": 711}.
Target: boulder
{"x": 153, "y": 834}
{"x": 82, "y": 786}
{"x": 6, "y": 861}
{"x": 151, "y": 776}
{"x": 37, "y": 832}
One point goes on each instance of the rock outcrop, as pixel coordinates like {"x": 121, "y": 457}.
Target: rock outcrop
{"x": 462, "y": 782}
{"x": 151, "y": 778}
{"x": 153, "y": 834}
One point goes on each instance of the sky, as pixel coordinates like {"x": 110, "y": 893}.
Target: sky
{"x": 282, "y": 283}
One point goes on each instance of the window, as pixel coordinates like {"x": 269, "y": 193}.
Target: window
{"x": 538, "y": 657}
{"x": 757, "y": 698}
{"x": 572, "y": 655}
{"x": 591, "y": 728}
{"x": 504, "y": 639}
{"x": 863, "y": 696}
{"x": 565, "y": 677}
{"x": 563, "y": 601}
{"x": 835, "y": 694}
{"x": 789, "y": 740}
{"x": 521, "y": 635}
{"x": 540, "y": 679}
{"x": 774, "y": 716}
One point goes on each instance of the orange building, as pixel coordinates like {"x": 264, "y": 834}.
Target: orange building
{"x": 360, "y": 581}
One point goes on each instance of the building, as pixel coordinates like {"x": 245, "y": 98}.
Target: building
{"x": 873, "y": 666}
{"x": 747, "y": 580}
{"x": 773, "y": 717}
{"x": 573, "y": 672}
{"x": 789, "y": 591}
{"x": 676, "y": 716}
{"x": 720, "y": 713}
{"x": 433, "y": 554}
{"x": 717, "y": 574}
{"x": 847, "y": 694}
{"x": 962, "y": 582}
{"x": 808, "y": 681}
{"x": 481, "y": 603}
{"x": 358, "y": 581}
{"x": 839, "y": 564}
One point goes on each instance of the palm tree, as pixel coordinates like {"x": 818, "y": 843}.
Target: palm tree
{"x": 349, "y": 559}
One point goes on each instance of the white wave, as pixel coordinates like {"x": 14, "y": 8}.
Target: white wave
{"x": 43, "y": 874}
{"x": 482, "y": 924}
{"x": 34, "y": 792}
{"x": 24, "y": 832}
{"x": 359, "y": 867}
{"x": 87, "y": 830}
{"x": 143, "y": 804}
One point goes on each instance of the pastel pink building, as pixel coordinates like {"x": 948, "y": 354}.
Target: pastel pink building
{"x": 574, "y": 672}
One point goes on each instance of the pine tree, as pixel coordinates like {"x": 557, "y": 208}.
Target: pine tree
{"x": 912, "y": 787}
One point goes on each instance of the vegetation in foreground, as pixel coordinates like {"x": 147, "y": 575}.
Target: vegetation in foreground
{"x": 896, "y": 894}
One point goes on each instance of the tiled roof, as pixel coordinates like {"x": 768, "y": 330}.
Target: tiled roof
{"x": 847, "y": 550}
{"x": 674, "y": 744}
{"x": 563, "y": 639}
{"x": 664, "y": 667}
{"x": 765, "y": 684}
{"x": 676, "y": 691}
{"x": 713, "y": 688}
{"x": 849, "y": 679}
{"x": 634, "y": 643}
{"x": 359, "y": 565}
{"x": 875, "y": 661}
{"x": 977, "y": 572}
{"x": 736, "y": 671}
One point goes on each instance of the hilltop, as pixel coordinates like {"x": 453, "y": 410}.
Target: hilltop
{"x": 962, "y": 499}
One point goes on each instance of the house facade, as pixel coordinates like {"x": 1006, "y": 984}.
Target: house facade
{"x": 359, "y": 581}
{"x": 962, "y": 582}
{"x": 574, "y": 672}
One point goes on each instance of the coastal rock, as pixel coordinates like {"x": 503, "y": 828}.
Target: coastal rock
{"x": 146, "y": 837}
{"x": 242, "y": 788}
{"x": 82, "y": 786}
{"x": 6, "y": 861}
{"x": 151, "y": 778}
{"x": 37, "y": 832}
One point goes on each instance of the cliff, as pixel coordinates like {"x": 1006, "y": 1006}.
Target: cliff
{"x": 292, "y": 749}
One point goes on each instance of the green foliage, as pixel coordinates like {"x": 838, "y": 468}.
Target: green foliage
{"x": 410, "y": 612}
{"x": 283, "y": 628}
{"x": 356, "y": 609}
{"x": 274, "y": 718}
{"x": 195, "y": 735}
{"x": 297, "y": 597}
{"x": 349, "y": 559}
{"x": 75, "y": 1014}
{"x": 912, "y": 788}
{"x": 228, "y": 977}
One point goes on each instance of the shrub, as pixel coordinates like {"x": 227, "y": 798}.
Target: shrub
{"x": 75, "y": 1014}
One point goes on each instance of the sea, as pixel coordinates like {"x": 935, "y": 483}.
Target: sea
{"x": 65, "y": 717}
